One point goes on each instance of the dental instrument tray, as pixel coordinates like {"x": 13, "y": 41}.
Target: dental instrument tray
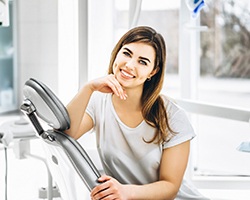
{"x": 40, "y": 103}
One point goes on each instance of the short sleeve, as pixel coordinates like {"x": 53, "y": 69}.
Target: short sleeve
{"x": 180, "y": 124}
{"x": 91, "y": 108}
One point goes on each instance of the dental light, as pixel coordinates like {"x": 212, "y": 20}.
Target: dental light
{"x": 4, "y": 13}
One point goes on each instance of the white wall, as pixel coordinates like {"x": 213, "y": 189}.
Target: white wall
{"x": 37, "y": 41}
{"x": 100, "y": 37}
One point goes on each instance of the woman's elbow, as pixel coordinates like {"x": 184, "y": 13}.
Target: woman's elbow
{"x": 172, "y": 190}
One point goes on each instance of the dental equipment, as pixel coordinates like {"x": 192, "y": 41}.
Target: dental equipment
{"x": 15, "y": 129}
{"x": 65, "y": 155}
{"x": 6, "y": 137}
{"x": 19, "y": 132}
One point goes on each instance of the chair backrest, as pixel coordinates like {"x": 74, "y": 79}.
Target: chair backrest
{"x": 66, "y": 158}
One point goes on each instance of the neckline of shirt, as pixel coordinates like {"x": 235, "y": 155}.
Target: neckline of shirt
{"x": 118, "y": 118}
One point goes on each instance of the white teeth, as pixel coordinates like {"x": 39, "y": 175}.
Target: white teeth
{"x": 126, "y": 74}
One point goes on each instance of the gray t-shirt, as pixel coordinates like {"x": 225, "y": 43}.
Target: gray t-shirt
{"x": 123, "y": 151}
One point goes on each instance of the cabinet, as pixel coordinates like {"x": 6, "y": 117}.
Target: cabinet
{"x": 8, "y": 67}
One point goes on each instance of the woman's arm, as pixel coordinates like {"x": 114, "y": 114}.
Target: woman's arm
{"x": 81, "y": 122}
{"x": 172, "y": 168}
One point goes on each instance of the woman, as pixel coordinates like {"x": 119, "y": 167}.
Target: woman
{"x": 143, "y": 138}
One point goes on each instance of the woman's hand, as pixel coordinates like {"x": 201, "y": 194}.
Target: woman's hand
{"x": 110, "y": 189}
{"x": 108, "y": 84}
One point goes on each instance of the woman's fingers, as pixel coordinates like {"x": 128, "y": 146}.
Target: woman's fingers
{"x": 108, "y": 84}
{"x": 100, "y": 191}
{"x": 104, "y": 190}
{"x": 103, "y": 179}
{"x": 116, "y": 87}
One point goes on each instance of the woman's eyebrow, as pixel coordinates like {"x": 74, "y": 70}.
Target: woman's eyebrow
{"x": 143, "y": 58}
{"x": 128, "y": 50}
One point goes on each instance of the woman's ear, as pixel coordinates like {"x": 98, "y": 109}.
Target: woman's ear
{"x": 155, "y": 71}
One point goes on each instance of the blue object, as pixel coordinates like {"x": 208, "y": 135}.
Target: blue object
{"x": 244, "y": 147}
{"x": 195, "y": 6}
{"x": 198, "y": 8}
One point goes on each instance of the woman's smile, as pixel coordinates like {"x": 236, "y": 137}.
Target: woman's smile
{"x": 126, "y": 74}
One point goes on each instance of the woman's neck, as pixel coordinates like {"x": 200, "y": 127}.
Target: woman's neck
{"x": 133, "y": 101}
{"x": 129, "y": 110}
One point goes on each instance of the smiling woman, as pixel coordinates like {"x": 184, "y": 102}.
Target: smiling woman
{"x": 134, "y": 62}
{"x": 143, "y": 138}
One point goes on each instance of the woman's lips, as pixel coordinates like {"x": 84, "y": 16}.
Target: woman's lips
{"x": 126, "y": 74}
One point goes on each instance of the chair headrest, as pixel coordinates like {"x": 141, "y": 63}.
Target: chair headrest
{"x": 48, "y": 107}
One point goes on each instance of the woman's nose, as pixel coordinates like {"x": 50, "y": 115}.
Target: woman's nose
{"x": 131, "y": 64}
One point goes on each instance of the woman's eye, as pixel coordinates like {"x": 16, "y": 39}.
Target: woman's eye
{"x": 126, "y": 53}
{"x": 142, "y": 62}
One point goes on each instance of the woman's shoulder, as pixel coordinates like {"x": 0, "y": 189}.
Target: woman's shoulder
{"x": 99, "y": 96}
{"x": 178, "y": 121}
{"x": 98, "y": 99}
{"x": 170, "y": 104}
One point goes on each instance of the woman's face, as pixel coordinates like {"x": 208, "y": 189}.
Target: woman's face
{"x": 134, "y": 64}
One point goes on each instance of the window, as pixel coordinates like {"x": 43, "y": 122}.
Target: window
{"x": 224, "y": 80}
{"x": 8, "y": 94}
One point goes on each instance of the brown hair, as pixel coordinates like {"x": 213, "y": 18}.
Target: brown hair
{"x": 153, "y": 108}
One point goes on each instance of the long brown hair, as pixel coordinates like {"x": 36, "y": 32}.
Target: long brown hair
{"x": 153, "y": 108}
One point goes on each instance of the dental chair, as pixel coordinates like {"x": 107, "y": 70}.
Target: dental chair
{"x": 68, "y": 162}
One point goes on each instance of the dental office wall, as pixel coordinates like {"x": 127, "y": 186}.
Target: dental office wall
{"x": 37, "y": 48}
{"x": 37, "y": 35}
